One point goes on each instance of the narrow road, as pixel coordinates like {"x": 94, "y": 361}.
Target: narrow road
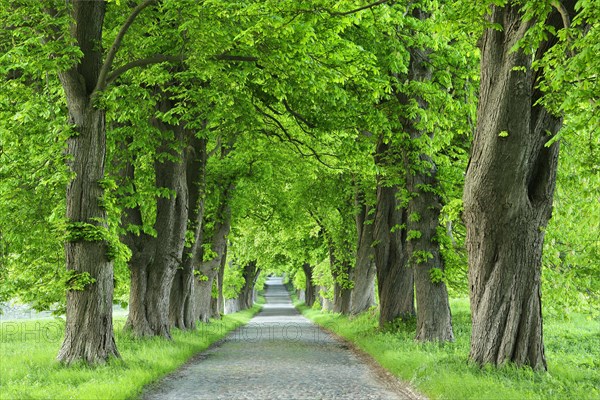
{"x": 279, "y": 354}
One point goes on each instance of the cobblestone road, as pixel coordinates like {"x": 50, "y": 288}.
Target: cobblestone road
{"x": 278, "y": 355}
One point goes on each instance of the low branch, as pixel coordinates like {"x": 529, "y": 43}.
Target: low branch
{"x": 112, "y": 52}
{"x": 155, "y": 59}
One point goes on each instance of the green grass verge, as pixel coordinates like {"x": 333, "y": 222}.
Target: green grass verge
{"x": 29, "y": 370}
{"x": 441, "y": 371}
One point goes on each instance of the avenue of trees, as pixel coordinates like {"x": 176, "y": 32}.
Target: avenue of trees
{"x": 387, "y": 153}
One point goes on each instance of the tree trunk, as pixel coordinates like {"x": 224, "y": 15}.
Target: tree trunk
{"x": 203, "y": 295}
{"x": 210, "y": 269}
{"x": 137, "y": 321}
{"x": 151, "y": 315}
{"x": 250, "y": 274}
{"x": 310, "y": 292}
{"x": 395, "y": 281}
{"x": 340, "y": 269}
{"x": 217, "y": 302}
{"x": 214, "y": 302}
{"x": 434, "y": 320}
{"x": 89, "y": 329}
{"x": 508, "y": 194}
{"x": 220, "y": 276}
{"x": 182, "y": 305}
{"x": 363, "y": 274}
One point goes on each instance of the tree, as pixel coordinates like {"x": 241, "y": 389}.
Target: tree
{"x": 89, "y": 252}
{"x": 364, "y": 272}
{"x": 310, "y": 289}
{"x": 394, "y": 279}
{"x": 509, "y": 188}
{"x": 155, "y": 260}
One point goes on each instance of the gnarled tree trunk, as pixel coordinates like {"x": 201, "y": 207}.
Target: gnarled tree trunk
{"x": 508, "y": 195}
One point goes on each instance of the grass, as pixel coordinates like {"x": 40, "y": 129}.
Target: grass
{"x": 441, "y": 371}
{"x": 29, "y": 370}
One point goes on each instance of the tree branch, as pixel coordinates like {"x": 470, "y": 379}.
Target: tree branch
{"x": 297, "y": 116}
{"x": 290, "y": 139}
{"x": 110, "y": 56}
{"x": 564, "y": 14}
{"x": 155, "y": 59}
{"x": 368, "y": 6}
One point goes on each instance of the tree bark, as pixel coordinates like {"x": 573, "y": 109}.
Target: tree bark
{"x": 216, "y": 303}
{"x": 182, "y": 305}
{"x": 395, "y": 281}
{"x": 220, "y": 278}
{"x": 209, "y": 269}
{"x": 89, "y": 333}
{"x": 363, "y": 274}
{"x": 311, "y": 290}
{"x": 340, "y": 269}
{"x": 434, "y": 320}
{"x": 509, "y": 188}
{"x": 149, "y": 313}
{"x": 246, "y": 296}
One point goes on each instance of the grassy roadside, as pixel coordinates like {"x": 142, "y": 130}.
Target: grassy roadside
{"x": 442, "y": 372}
{"x": 28, "y": 369}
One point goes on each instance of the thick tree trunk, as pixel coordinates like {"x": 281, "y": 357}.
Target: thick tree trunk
{"x": 508, "y": 195}
{"x": 395, "y": 281}
{"x": 363, "y": 274}
{"x": 434, "y": 320}
{"x": 137, "y": 321}
{"x": 182, "y": 305}
{"x": 151, "y": 315}
{"x": 203, "y": 295}
{"x": 89, "y": 329}
{"x": 311, "y": 290}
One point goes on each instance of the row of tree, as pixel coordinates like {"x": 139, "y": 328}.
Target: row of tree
{"x": 206, "y": 137}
